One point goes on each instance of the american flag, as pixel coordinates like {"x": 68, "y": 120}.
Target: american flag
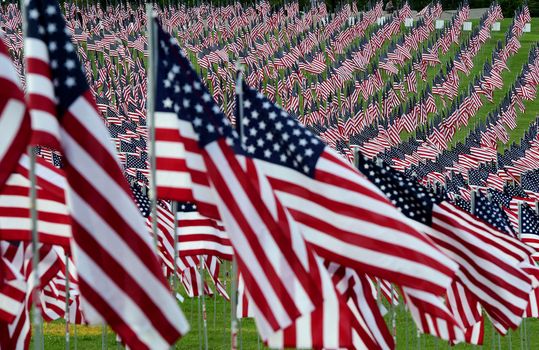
{"x": 490, "y": 261}
{"x": 199, "y": 235}
{"x": 338, "y": 210}
{"x": 119, "y": 274}
{"x": 14, "y": 119}
{"x": 281, "y": 292}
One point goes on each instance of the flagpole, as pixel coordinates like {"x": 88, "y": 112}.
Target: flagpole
{"x": 176, "y": 249}
{"x": 522, "y": 330}
{"x": 203, "y": 302}
{"x": 37, "y": 320}
{"x": 67, "y": 301}
{"x": 150, "y": 108}
{"x": 234, "y": 277}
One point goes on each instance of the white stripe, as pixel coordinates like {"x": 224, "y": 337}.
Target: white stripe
{"x": 118, "y": 249}
{"x": 36, "y": 48}
{"x": 8, "y": 71}
{"x": 40, "y": 85}
{"x": 10, "y": 123}
{"x": 116, "y": 299}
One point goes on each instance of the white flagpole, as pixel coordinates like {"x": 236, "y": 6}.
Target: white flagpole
{"x": 203, "y": 302}
{"x": 234, "y": 277}
{"x": 67, "y": 301}
{"x": 37, "y": 320}
{"x": 150, "y": 108}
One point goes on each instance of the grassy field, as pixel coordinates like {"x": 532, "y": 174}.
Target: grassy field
{"x": 218, "y": 327}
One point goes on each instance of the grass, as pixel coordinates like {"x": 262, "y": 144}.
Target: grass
{"x": 218, "y": 326}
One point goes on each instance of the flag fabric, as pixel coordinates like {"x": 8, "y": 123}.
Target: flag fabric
{"x": 199, "y": 235}
{"x": 491, "y": 262}
{"x": 344, "y": 216}
{"x": 264, "y": 254}
{"x": 120, "y": 279}
{"x": 14, "y": 119}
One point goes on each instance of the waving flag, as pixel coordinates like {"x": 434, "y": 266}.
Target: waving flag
{"x": 341, "y": 214}
{"x": 119, "y": 275}
{"x": 280, "y": 287}
{"x": 14, "y": 120}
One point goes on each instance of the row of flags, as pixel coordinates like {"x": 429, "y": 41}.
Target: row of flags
{"x": 310, "y": 233}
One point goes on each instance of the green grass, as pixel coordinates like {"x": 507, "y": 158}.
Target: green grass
{"x": 218, "y": 326}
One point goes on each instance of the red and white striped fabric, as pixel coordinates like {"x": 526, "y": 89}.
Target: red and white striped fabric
{"x": 432, "y": 316}
{"x": 279, "y": 285}
{"x": 14, "y": 119}
{"x": 200, "y": 235}
{"x": 120, "y": 278}
{"x": 361, "y": 295}
{"x": 13, "y": 287}
{"x": 16, "y": 335}
{"x": 465, "y": 308}
{"x": 344, "y": 216}
{"x": 489, "y": 263}
{"x": 54, "y": 221}
{"x": 244, "y": 308}
{"x": 213, "y": 265}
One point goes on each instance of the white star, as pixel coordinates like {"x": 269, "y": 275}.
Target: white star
{"x": 176, "y": 69}
{"x": 206, "y": 97}
{"x": 269, "y": 136}
{"x": 167, "y": 103}
{"x": 308, "y": 152}
{"x": 70, "y": 64}
{"x": 305, "y": 169}
{"x": 166, "y": 83}
{"x": 245, "y": 121}
{"x": 229, "y": 141}
{"x": 34, "y": 13}
{"x": 272, "y": 115}
{"x": 51, "y": 10}
{"x": 51, "y": 28}
{"x": 210, "y": 128}
{"x": 260, "y": 142}
{"x": 54, "y": 64}
{"x": 197, "y": 121}
{"x": 267, "y": 153}
{"x": 176, "y": 108}
{"x": 70, "y": 82}
{"x": 276, "y": 147}
{"x": 278, "y": 125}
{"x": 252, "y": 132}
{"x": 52, "y": 46}
{"x": 198, "y": 108}
{"x": 176, "y": 88}
{"x": 303, "y": 142}
{"x": 285, "y": 136}
{"x": 262, "y": 125}
{"x": 196, "y": 84}
{"x": 187, "y": 88}
{"x": 215, "y": 109}
{"x": 296, "y": 132}
{"x": 283, "y": 158}
{"x": 247, "y": 104}
{"x": 186, "y": 103}
{"x": 254, "y": 114}
{"x": 68, "y": 47}
{"x": 251, "y": 149}
{"x": 266, "y": 105}
{"x": 41, "y": 30}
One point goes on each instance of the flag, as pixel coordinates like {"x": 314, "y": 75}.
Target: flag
{"x": 120, "y": 279}
{"x": 340, "y": 213}
{"x": 14, "y": 119}
{"x": 199, "y": 235}
{"x": 280, "y": 288}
